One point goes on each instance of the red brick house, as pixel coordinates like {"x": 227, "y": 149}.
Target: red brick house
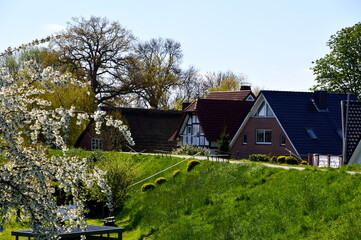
{"x": 297, "y": 123}
{"x": 206, "y": 119}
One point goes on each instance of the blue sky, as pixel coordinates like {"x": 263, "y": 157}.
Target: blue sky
{"x": 272, "y": 43}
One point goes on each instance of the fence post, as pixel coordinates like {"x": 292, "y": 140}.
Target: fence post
{"x": 328, "y": 160}
{"x": 309, "y": 159}
{"x": 315, "y": 159}
{"x": 341, "y": 160}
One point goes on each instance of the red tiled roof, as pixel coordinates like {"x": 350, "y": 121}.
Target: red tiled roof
{"x": 215, "y": 115}
{"x": 230, "y": 95}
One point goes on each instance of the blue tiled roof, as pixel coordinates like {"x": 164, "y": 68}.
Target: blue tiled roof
{"x": 354, "y": 126}
{"x": 297, "y": 112}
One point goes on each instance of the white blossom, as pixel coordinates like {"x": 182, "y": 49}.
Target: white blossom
{"x": 28, "y": 175}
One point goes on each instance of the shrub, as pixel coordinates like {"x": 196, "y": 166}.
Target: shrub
{"x": 192, "y": 150}
{"x": 291, "y": 160}
{"x": 95, "y": 156}
{"x": 259, "y": 158}
{"x": 304, "y": 163}
{"x": 160, "y": 180}
{"x": 272, "y": 159}
{"x": 176, "y": 172}
{"x": 281, "y": 159}
{"x": 118, "y": 175}
{"x": 192, "y": 163}
{"x": 147, "y": 187}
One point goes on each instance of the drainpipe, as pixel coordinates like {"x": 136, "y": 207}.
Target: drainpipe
{"x": 345, "y": 133}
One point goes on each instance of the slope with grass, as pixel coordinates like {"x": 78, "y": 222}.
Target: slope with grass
{"x": 247, "y": 201}
{"x": 236, "y": 201}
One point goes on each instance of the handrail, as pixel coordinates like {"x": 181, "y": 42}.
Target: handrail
{"x": 293, "y": 154}
{"x": 162, "y": 170}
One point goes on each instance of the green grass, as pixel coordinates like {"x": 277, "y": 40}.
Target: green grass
{"x": 239, "y": 201}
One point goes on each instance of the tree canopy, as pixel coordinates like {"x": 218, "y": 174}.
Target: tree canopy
{"x": 340, "y": 70}
{"x": 100, "y": 48}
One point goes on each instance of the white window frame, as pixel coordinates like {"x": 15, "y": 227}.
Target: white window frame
{"x": 264, "y": 111}
{"x": 263, "y": 131}
{"x": 96, "y": 144}
{"x": 193, "y": 133}
{"x": 283, "y": 143}
{"x": 244, "y": 139}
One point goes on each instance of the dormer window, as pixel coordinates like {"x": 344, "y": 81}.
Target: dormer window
{"x": 264, "y": 111}
{"x": 311, "y": 134}
{"x": 250, "y": 98}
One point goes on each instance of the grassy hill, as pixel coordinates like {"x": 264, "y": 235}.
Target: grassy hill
{"x": 247, "y": 201}
{"x": 239, "y": 201}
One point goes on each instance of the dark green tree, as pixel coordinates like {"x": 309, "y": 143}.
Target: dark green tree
{"x": 223, "y": 142}
{"x": 340, "y": 70}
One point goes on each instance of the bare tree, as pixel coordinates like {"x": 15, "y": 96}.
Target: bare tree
{"x": 100, "y": 48}
{"x": 154, "y": 69}
{"x": 224, "y": 81}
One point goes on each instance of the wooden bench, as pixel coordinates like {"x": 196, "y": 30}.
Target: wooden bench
{"x": 91, "y": 232}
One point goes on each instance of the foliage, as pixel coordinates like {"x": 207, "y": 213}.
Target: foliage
{"x": 176, "y": 172}
{"x": 304, "y": 163}
{"x": 119, "y": 175}
{"x": 27, "y": 127}
{"x": 224, "y": 81}
{"x": 341, "y": 68}
{"x": 281, "y": 159}
{"x": 147, "y": 187}
{"x": 192, "y": 150}
{"x": 223, "y": 143}
{"x": 259, "y": 158}
{"x": 291, "y": 160}
{"x": 191, "y": 164}
{"x": 160, "y": 180}
{"x": 64, "y": 95}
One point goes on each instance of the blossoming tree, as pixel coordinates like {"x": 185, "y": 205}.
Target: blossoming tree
{"x": 27, "y": 128}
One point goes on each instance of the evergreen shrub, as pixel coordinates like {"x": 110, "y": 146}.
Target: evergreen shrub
{"x": 281, "y": 159}
{"x": 160, "y": 180}
{"x": 259, "y": 158}
{"x": 176, "y": 172}
{"x": 291, "y": 160}
{"x": 147, "y": 187}
{"x": 304, "y": 163}
{"x": 192, "y": 163}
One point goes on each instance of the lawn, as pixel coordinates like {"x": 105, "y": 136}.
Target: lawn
{"x": 238, "y": 201}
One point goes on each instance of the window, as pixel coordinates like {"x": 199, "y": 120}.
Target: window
{"x": 193, "y": 133}
{"x": 263, "y": 136}
{"x": 244, "y": 139}
{"x": 96, "y": 144}
{"x": 249, "y": 98}
{"x": 264, "y": 111}
{"x": 311, "y": 134}
{"x": 282, "y": 140}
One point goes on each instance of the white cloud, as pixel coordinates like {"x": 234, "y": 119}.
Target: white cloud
{"x": 53, "y": 27}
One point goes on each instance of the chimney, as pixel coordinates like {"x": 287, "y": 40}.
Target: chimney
{"x": 246, "y": 87}
{"x": 321, "y": 100}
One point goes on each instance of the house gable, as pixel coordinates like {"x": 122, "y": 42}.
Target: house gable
{"x": 312, "y": 120}
{"x": 263, "y": 132}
